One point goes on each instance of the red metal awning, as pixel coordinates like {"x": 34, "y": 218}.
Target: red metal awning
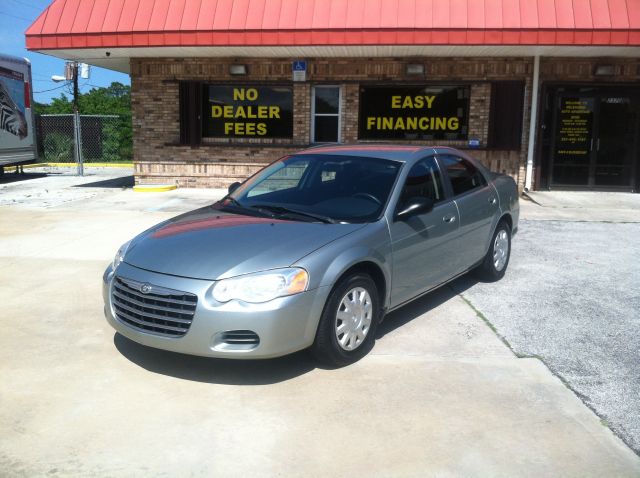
{"x": 91, "y": 24}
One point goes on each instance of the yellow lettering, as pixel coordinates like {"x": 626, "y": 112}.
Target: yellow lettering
{"x": 418, "y": 102}
{"x": 227, "y": 128}
{"x": 453, "y": 124}
{"x": 262, "y": 129}
{"x": 412, "y": 123}
{"x": 252, "y": 94}
{"x": 263, "y": 112}
{"x": 216, "y": 111}
{"x": 423, "y": 123}
{"x": 240, "y": 113}
{"x": 407, "y": 103}
{"x": 371, "y": 120}
{"x": 387, "y": 123}
{"x": 274, "y": 112}
{"x": 238, "y": 94}
{"x": 239, "y": 129}
{"x": 441, "y": 123}
{"x": 399, "y": 124}
{"x": 429, "y": 100}
{"x": 395, "y": 102}
{"x": 228, "y": 111}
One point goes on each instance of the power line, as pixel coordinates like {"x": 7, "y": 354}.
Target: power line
{"x": 56, "y": 88}
{"x": 26, "y": 4}
{"x": 16, "y": 16}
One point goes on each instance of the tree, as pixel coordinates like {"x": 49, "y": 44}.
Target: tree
{"x": 115, "y": 99}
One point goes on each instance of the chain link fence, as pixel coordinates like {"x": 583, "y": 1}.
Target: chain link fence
{"x": 104, "y": 138}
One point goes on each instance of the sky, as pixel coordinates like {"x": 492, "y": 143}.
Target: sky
{"x": 15, "y": 17}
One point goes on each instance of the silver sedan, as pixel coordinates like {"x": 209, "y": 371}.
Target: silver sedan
{"x": 312, "y": 252}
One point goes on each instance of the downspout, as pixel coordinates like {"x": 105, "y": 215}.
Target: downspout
{"x": 528, "y": 178}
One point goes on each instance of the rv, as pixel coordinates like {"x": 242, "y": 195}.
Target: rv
{"x": 17, "y": 135}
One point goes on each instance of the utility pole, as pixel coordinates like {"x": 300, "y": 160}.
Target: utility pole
{"x": 71, "y": 74}
{"x": 77, "y": 133}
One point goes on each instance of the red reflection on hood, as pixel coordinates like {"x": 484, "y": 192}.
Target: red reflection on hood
{"x": 209, "y": 222}
{"x": 360, "y": 147}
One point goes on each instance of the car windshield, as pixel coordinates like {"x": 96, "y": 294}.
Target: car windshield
{"x": 326, "y": 188}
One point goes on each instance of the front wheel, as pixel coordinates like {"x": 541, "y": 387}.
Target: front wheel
{"x": 346, "y": 331}
{"x": 495, "y": 263}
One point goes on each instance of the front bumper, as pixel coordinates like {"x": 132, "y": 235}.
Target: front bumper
{"x": 284, "y": 325}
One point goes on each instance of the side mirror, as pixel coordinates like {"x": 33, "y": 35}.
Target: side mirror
{"x": 233, "y": 187}
{"x": 414, "y": 206}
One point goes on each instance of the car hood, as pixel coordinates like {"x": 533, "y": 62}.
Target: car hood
{"x": 211, "y": 244}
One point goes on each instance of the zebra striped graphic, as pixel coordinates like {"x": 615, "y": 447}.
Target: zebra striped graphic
{"x": 12, "y": 119}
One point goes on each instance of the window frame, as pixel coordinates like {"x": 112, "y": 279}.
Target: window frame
{"x": 449, "y": 185}
{"x": 312, "y": 132}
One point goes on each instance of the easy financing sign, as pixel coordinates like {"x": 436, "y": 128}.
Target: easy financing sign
{"x": 414, "y": 112}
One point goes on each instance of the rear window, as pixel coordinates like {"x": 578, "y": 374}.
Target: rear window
{"x": 464, "y": 176}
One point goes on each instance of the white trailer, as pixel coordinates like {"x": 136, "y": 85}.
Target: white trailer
{"x": 17, "y": 134}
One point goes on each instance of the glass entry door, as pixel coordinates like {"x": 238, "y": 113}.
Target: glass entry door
{"x": 574, "y": 134}
{"x": 594, "y": 141}
{"x": 614, "y": 144}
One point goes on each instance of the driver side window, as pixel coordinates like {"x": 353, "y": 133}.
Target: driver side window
{"x": 424, "y": 180}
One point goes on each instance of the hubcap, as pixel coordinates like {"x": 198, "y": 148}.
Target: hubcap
{"x": 353, "y": 319}
{"x": 500, "y": 250}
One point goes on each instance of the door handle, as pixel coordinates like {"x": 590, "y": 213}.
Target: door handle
{"x": 449, "y": 219}
{"x": 492, "y": 200}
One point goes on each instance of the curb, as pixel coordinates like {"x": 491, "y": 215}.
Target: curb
{"x": 154, "y": 188}
{"x": 11, "y": 169}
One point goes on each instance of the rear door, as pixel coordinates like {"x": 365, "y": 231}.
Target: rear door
{"x": 423, "y": 245}
{"x": 477, "y": 204}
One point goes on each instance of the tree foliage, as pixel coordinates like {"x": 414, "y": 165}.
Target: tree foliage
{"x": 115, "y": 99}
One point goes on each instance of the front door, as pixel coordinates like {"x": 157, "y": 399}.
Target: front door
{"x": 424, "y": 246}
{"x": 594, "y": 141}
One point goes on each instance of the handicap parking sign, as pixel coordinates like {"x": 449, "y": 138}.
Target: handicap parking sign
{"x": 299, "y": 68}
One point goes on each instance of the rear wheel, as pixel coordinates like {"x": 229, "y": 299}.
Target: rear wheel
{"x": 495, "y": 263}
{"x": 346, "y": 331}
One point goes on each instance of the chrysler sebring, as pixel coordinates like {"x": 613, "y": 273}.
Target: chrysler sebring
{"x": 312, "y": 252}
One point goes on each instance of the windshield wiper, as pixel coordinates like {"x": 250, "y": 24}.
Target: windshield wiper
{"x": 232, "y": 202}
{"x": 285, "y": 211}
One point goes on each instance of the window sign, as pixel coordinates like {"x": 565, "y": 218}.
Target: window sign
{"x": 575, "y": 123}
{"x": 247, "y": 111}
{"x": 414, "y": 112}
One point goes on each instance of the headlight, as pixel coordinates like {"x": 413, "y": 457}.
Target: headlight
{"x": 117, "y": 260}
{"x": 262, "y": 286}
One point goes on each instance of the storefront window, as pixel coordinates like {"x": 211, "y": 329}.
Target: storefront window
{"x": 425, "y": 112}
{"x": 325, "y": 125}
{"x": 247, "y": 111}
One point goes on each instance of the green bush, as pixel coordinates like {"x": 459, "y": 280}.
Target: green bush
{"x": 58, "y": 148}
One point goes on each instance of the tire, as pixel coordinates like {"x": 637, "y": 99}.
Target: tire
{"x": 494, "y": 264}
{"x": 335, "y": 347}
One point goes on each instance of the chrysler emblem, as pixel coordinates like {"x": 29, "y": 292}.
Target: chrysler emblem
{"x": 145, "y": 288}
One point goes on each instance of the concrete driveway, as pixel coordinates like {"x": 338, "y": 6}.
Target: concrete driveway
{"x": 440, "y": 395}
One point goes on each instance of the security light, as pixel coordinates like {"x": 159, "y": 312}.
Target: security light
{"x": 415, "y": 69}
{"x": 237, "y": 69}
{"x": 604, "y": 70}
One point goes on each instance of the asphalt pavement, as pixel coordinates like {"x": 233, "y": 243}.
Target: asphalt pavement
{"x": 571, "y": 297}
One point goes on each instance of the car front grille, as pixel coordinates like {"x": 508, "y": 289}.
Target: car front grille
{"x": 151, "y": 308}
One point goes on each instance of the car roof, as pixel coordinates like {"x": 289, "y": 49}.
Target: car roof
{"x": 393, "y": 152}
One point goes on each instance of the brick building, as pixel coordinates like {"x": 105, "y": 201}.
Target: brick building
{"x": 547, "y": 92}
